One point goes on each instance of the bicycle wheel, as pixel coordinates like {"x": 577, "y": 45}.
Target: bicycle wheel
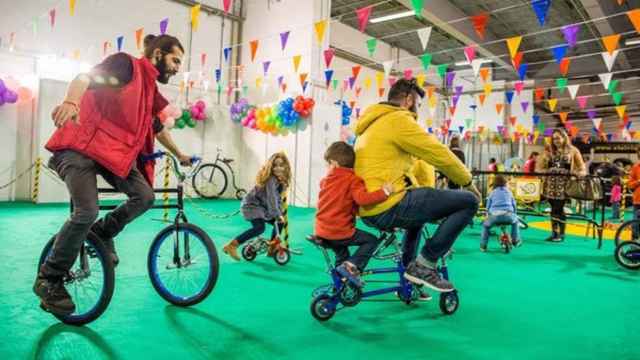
{"x": 210, "y": 181}
{"x": 625, "y": 232}
{"x": 90, "y": 281}
{"x": 183, "y": 264}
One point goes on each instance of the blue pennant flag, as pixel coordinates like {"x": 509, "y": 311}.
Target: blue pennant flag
{"x": 559, "y": 52}
{"x": 218, "y": 74}
{"x": 328, "y": 75}
{"x": 541, "y": 8}
{"x": 227, "y": 52}
{"x": 536, "y": 119}
{"x": 523, "y": 71}
{"x": 119, "y": 41}
{"x": 509, "y": 95}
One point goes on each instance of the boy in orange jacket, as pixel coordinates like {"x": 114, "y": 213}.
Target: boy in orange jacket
{"x": 341, "y": 193}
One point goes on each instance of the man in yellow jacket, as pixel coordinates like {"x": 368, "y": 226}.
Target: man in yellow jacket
{"x": 388, "y": 141}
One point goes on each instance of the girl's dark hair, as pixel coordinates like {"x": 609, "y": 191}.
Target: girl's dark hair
{"x": 499, "y": 181}
{"x": 455, "y": 142}
{"x": 163, "y": 42}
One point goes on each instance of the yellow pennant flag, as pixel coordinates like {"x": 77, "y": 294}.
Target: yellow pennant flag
{"x": 320, "y": 27}
{"x": 259, "y": 82}
{"x": 72, "y": 7}
{"x": 513, "y": 44}
{"x": 195, "y": 17}
{"x": 76, "y": 55}
{"x": 367, "y": 83}
{"x": 552, "y": 104}
{"x": 379, "y": 79}
{"x": 420, "y": 79}
{"x": 621, "y": 110}
{"x": 429, "y": 122}
{"x": 433, "y": 101}
{"x": 487, "y": 89}
{"x": 563, "y": 116}
{"x": 296, "y": 62}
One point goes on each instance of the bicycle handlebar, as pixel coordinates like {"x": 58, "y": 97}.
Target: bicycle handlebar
{"x": 176, "y": 166}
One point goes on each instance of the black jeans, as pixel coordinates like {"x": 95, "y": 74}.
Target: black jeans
{"x": 558, "y": 217}
{"x": 257, "y": 229}
{"x": 366, "y": 242}
{"x": 79, "y": 173}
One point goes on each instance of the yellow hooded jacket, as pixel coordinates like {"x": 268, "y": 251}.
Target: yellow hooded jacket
{"x": 389, "y": 142}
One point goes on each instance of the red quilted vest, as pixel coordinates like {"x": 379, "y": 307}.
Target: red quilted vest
{"x": 115, "y": 124}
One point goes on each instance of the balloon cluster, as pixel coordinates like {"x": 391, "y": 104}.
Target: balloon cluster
{"x": 278, "y": 119}
{"x": 198, "y": 111}
{"x": 172, "y": 116}
{"x": 346, "y": 113}
{"x": 7, "y": 95}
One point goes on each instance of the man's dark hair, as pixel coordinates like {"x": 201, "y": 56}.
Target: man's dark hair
{"x": 163, "y": 42}
{"x": 535, "y": 153}
{"x": 342, "y": 153}
{"x": 499, "y": 181}
{"x": 403, "y": 88}
{"x": 492, "y": 160}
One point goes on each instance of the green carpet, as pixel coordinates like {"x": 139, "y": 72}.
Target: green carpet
{"x": 543, "y": 301}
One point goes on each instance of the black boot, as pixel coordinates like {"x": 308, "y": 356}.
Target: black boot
{"x": 561, "y": 227}
{"x": 53, "y": 296}
{"x": 554, "y": 231}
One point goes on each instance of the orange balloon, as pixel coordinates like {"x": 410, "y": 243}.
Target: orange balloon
{"x": 24, "y": 94}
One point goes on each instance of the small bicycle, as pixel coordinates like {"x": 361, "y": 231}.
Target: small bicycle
{"x": 341, "y": 293}
{"x": 182, "y": 262}
{"x": 627, "y": 252}
{"x": 276, "y": 248}
{"x": 211, "y": 180}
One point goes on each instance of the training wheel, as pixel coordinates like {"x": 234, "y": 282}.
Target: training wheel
{"x": 627, "y": 254}
{"x": 320, "y": 308}
{"x": 449, "y": 302}
{"x": 350, "y": 295}
{"x": 282, "y": 256}
{"x": 249, "y": 253}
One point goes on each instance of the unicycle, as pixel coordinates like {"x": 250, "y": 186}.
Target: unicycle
{"x": 90, "y": 281}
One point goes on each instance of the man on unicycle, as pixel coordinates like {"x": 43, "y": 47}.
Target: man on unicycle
{"x": 112, "y": 109}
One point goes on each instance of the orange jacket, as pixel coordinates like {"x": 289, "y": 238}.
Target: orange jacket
{"x": 634, "y": 183}
{"x": 341, "y": 192}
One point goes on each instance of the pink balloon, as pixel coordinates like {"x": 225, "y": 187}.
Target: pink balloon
{"x": 200, "y": 104}
{"x": 253, "y": 125}
{"x": 169, "y": 123}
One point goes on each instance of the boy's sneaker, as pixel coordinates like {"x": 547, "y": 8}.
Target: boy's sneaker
{"x": 483, "y": 248}
{"x": 428, "y": 277}
{"x": 54, "y": 298}
{"x": 351, "y": 272}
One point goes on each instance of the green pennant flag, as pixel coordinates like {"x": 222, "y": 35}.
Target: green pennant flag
{"x": 371, "y": 46}
{"x": 442, "y": 70}
{"x": 617, "y": 98}
{"x": 468, "y": 123}
{"x": 245, "y": 90}
{"x": 541, "y": 127}
{"x": 219, "y": 88}
{"x": 426, "y": 60}
{"x": 335, "y": 84}
{"x": 34, "y": 26}
{"x": 418, "y": 5}
{"x": 562, "y": 84}
{"x": 613, "y": 85}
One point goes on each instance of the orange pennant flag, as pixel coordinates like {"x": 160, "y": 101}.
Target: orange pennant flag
{"x": 484, "y": 74}
{"x": 303, "y": 79}
{"x": 563, "y": 117}
{"x": 513, "y": 120}
{"x": 296, "y": 62}
{"x": 430, "y": 91}
{"x": 634, "y": 17}
{"x": 513, "y": 44}
{"x": 611, "y": 42}
{"x": 499, "y": 108}
{"x": 482, "y": 97}
{"x": 452, "y": 110}
{"x": 139, "y": 38}
{"x": 254, "y": 48}
{"x": 284, "y": 87}
{"x": 355, "y": 71}
{"x": 517, "y": 60}
{"x": 320, "y": 27}
{"x": 195, "y": 17}
{"x": 380, "y": 92}
{"x": 552, "y": 104}
{"x": 564, "y": 66}
{"x": 72, "y": 7}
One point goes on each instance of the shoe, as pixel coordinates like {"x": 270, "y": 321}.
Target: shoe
{"x": 231, "y": 249}
{"x": 516, "y": 243}
{"x": 430, "y": 278}
{"x": 54, "y": 298}
{"x": 351, "y": 272}
{"x": 557, "y": 239}
{"x": 483, "y": 248}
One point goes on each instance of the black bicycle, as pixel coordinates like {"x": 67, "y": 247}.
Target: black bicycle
{"x": 211, "y": 180}
{"x": 627, "y": 252}
{"x": 182, "y": 262}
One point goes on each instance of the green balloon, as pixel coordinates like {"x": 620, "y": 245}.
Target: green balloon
{"x": 191, "y": 123}
{"x": 180, "y": 123}
{"x": 186, "y": 115}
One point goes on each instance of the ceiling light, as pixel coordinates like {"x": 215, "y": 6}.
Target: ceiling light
{"x": 632, "y": 41}
{"x": 392, "y": 17}
{"x": 466, "y": 63}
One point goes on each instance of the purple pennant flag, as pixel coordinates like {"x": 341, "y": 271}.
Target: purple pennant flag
{"x": 284, "y": 37}
{"x": 525, "y": 106}
{"x": 500, "y": 128}
{"x": 119, "y": 41}
{"x": 352, "y": 82}
{"x": 455, "y": 100}
{"x": 450, "y": 76}
{"x": 591, "y": 114}
{"x": 227, "y": 52}
{"x": 571, "y": 34}
{"x": 218, "y": 74}
{"x": 265, "y": 67}
{"x": 163, "y": 26}
{"x": 280, "y": 80}
{"x": 357, "y": 113}
{"x": 459, "y": 90}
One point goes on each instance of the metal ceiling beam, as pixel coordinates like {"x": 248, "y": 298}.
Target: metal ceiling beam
{"x": 463, "y": 31}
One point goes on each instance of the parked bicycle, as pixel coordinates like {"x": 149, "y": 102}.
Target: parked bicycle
{"x": 211, "y": 180}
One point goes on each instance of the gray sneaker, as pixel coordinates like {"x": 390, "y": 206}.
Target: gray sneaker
{"x": 430, "y": 278}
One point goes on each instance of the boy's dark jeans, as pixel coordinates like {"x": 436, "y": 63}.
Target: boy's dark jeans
{"x": 367, "y": 244}
{"x": 79, "y": 173}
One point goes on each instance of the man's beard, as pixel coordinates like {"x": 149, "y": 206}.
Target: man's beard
{"x": 163, "y": 74}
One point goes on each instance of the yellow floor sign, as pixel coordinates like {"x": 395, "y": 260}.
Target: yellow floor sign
{"x": 584, "y": 229}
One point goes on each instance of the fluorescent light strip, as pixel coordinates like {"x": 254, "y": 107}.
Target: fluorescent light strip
{"x": 634, "y": 41}
{"x": 392, "y": 17}
{"x": 466, "y": 63}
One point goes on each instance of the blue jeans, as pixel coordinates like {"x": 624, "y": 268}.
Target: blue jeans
{"x": 615, "y": 209}
{"x": 424, "y": 205}
{"x": 506, "y": 219}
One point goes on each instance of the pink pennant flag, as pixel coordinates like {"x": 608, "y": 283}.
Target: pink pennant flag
{"x": 470, "y": 53}
{"x": 328, "y": 57}
{"x": 363, "y": 16}
{"x": 582, "y": 101}
{"x": 408, "y": 74}
{"x": 227, "y": 5}
{"x": 518, "y": 86}
{"x": 52, "y": 17}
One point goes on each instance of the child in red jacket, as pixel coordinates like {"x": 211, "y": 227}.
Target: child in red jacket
{"x": 341, "y": 193}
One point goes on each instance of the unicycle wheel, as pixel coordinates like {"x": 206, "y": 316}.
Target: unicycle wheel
{"x": 627, "y": 254}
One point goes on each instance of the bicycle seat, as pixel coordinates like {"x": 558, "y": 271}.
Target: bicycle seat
{"x": 227, "y": 161}
{"x": 317, "y": 241}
